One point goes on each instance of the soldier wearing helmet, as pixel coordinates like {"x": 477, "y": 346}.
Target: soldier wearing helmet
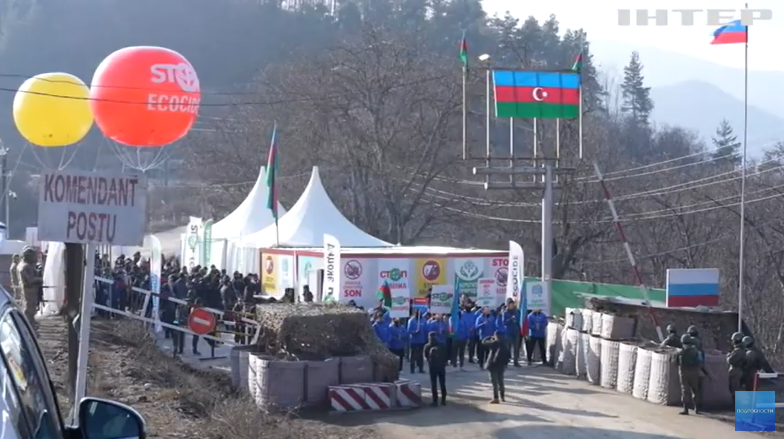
{"x": 672, "y": 339}
{"x": 31, "y": 282}
{"x": 752, "y": 364}
{"x": 689, "y": 367}
{"x": 736, "y": 360}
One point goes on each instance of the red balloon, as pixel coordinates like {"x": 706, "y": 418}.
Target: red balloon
{"x": 145, "y": 96}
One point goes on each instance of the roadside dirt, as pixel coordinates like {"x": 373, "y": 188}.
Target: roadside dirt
{"x": 175, "y": 400}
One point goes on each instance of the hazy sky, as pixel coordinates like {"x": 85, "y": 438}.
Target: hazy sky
{"x": 600, "y": 20}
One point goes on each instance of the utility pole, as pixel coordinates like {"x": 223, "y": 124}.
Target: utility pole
{"x": 6, "y": 192}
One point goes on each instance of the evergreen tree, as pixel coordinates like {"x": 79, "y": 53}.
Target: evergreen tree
{"x": 726, "y": 145}
{"x": 636, "y": 96}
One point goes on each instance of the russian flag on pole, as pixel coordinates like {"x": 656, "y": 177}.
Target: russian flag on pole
{"x": 690, "y": 287}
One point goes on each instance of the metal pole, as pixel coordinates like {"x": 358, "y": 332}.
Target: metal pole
{"x": 741, "y": 265}
{"x": 488, "y": 150}
{"x": 85, "y": 317}
{"x": 547, "y": 228}
{"x": 6, "y": 194}
{"x": 511, "y": 147}
{"x": 465, "y": 113}
{"x": 580, "y": 125}
{"x": 536, "y": 146}
{"x": 557, "y": 146}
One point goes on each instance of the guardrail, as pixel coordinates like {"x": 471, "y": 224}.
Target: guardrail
{"x": 220, "y": 316}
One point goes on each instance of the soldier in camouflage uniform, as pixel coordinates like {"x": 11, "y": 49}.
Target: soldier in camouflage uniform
{"x": 689, "y": 366}
{"x": 736, "y": 360}
{"x": 16, "y": 283}
{"x": 672, "y": 339}
{"x": 31, "y": 283}
{"x": 695, "y": 336}
{"x": 752, "y": 364}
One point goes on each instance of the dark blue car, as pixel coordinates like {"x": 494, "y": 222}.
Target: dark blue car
{"x": 28, "y": 402}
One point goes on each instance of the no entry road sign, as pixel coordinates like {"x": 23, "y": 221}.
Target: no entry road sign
{"x": 201, "y": 321}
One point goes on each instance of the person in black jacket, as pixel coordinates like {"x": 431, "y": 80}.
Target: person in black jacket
{"x": 497, "y": 359}
{"x": 436, "y": 356}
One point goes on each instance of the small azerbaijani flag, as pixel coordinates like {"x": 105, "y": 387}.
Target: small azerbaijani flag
{"x": 731, "y": 33}
{"x": 272, "y": 170}
{"x": 385, "y": 294}
{"x": 464, "y": 50}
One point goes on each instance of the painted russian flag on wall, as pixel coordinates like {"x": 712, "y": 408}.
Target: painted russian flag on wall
{"x": 690, "y": 287}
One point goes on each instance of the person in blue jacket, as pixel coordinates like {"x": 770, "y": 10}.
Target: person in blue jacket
{"x": 397, "y": 341}
{"x": 511, "y": 318}
{"x": 417, "y": 333}
{"x": 537, "y": 332}
{"x": 462, "y": 334}
{"x": 437, "y": 325}
{"x": 485, "y": 327}
{"x": 381, "y": 329}
{"x": 474, "y": 341}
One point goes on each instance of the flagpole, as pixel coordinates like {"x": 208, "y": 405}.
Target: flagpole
{"x": 465, "y": 112}
{"x": 580, "y": 122}
{"x": 487, "y": 125}
{"x": 511, "y": 147}
{"x": 742, "y": 245}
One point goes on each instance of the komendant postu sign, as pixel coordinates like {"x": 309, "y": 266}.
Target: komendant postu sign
{"x": 88, "y": 207}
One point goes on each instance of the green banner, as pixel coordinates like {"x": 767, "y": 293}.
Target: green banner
{"x": 568, "y": 294}
{"x": 206, "y": 244}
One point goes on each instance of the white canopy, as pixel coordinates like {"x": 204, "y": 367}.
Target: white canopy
{"x": 251, "y": 216}
{"x": 309, "y": 219}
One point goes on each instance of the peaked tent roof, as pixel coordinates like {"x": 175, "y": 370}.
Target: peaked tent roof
{"x": 251, "y": 216}
{"x": 309, "y": 219}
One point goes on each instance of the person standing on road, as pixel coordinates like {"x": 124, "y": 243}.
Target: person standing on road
{"x": 461, "y": 336}
{"x": 511, "y": 318}
{"x": 16, "y": 284}
{"x": 417, "y": 333}
{"x": 537, "y": 332}
{"x": 689, "y": 368}
{"x": 397, "y": 341}
{"x": 485, "y": 327}
{"x": 435, "y": 353}
{"x": 31, "y": 284}
{"x": 498, "y": 356}
{"x": 752, "y": 363}
{"x": 736, "y": 360}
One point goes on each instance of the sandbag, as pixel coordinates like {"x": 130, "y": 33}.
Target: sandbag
{"x": 281, "y": 384}
{"x": 594, "y": 358}
{"x": 238, "y": 360}
{"x": 319, "y": 375}
{"x": 627, "y": 360}
{"x": 574, "y": 318}
{"x": 609, "y": 364}
{"x": 553, "y": 341}
{"x": 642, "y": 374}
{"x": 715, "y": 391}
{"x": 568, "y": 355}
{"x": 587, "y": 320}
{"x": 581, "y": 360}
{"x": 354, "y": 370}
{"x": 617, "y": 327}
{"x": 253, "y": 389}
{"x": 664, "y": 386}
{"x": 596, "y": 325}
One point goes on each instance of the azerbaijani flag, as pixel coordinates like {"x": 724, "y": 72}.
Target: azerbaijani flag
{"x": 543, "y": 95}
{"x": 464, "y": 50}
{"x": 272, "y": 169}
{"x": 731, "y": 33}
{"x": 385, "y": 293}
{"x": 578, "y": 63}
{"x": 454, "y": 314}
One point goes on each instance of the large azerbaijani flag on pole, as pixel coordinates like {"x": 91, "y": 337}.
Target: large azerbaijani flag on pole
{"x": 542, "y": 95}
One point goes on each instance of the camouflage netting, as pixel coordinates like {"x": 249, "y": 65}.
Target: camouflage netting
{"x": 314, "y": 332}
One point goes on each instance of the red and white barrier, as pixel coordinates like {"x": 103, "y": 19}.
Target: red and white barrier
{"x": 361, "y": 397}
{"x": 408, "y": 394}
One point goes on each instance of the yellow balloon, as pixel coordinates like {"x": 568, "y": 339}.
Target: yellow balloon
{"x": 53, "y": 109}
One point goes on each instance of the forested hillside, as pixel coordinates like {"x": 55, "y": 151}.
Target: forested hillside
{"x": 373, "y": 97}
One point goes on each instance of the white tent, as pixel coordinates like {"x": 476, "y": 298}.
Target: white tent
{"x": 251, "y": 216}
{"x": 309, "y": 219}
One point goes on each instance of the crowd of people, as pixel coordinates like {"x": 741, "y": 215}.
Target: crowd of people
{"x": 491, "y": 338}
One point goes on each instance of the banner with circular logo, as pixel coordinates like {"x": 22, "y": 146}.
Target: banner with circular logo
{"x": 396, "y": 273}
{"x": 429, "y": 272}
{"x": 269, "y": 274}
{"x": 468, "y": 271}
{"x": 359, "y": 281}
